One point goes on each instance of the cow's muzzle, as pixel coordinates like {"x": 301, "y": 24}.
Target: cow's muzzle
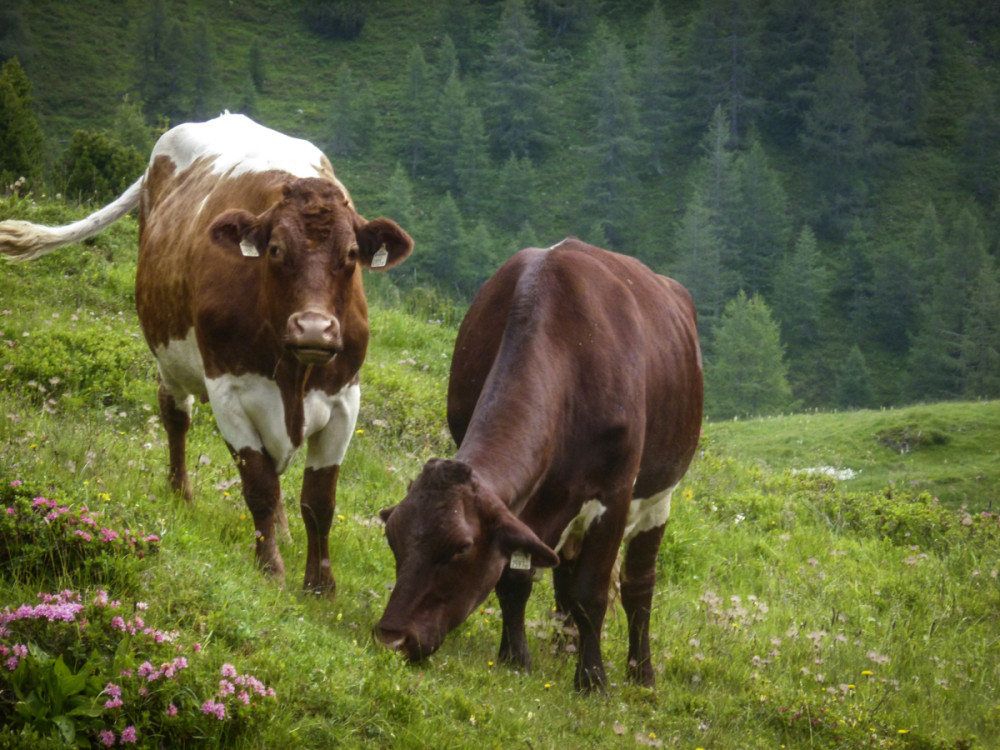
{"x": 314, "y": 338}
{"x": 403, "y": 643}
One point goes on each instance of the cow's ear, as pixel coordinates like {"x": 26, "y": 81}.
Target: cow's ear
{"x": 522, "y": 545}
{"x": 383, "y": 243}
{"x": 237, "y": 230}
{"x": 385, "y": 513}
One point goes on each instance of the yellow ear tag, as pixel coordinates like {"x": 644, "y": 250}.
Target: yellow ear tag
{"x": 380, "y": 257}
{"x": 520, "y": 560}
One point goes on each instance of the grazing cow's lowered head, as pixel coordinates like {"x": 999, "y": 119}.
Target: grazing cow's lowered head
{"x": 309, "y": 246}
{"x": 452, "y": 538}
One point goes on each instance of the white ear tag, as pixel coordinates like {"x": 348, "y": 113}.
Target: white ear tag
{"x": 249, "y": 249}
{"x": 380, "y": 257}
{"x": 520, "y": 560}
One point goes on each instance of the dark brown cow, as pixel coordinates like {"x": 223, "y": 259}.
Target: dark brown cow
{"x": 575, "y": 398}
{"x": 249, "y": 292}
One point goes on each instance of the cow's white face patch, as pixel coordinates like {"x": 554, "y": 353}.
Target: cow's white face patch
{"x": 648, "y": 513}
{"x": 238, "y": 145}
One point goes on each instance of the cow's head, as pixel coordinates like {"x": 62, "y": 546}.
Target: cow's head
{"x": 310, "y": 245}
{"x": 452, "y": 538}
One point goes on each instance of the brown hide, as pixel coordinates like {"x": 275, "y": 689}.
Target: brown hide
{"x": 576, "y": 377}
{"x": 249, "y": 292}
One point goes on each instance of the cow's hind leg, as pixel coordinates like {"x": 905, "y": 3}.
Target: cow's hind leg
{"x": 638, "y": 580}
{"x": 176, "y": 419}
{"x": 262, "y": 493}
{"x": 513, "y": 590}
{"x": 319, "y": 500}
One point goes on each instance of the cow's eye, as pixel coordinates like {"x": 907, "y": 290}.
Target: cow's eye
{"x": 274, "y": 251}
{"x": 352, "y": 254}
{"x": 462, "y": 551}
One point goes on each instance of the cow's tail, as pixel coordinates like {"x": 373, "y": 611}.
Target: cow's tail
{"x": 22, "y": 240}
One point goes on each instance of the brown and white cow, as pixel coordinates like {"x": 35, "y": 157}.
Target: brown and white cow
{"x": 249, "y": 292}
{"x": 575, "y": 398}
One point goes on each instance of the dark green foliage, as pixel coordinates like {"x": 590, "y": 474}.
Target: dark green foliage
{"x": 853, "y": 387}
{"x": 336, "y": 19}
{"x": 746, "y": 373}
{"x": 701, "y": 137}
{"x": 20, "y": 135}
{"x": 99, "y": 169}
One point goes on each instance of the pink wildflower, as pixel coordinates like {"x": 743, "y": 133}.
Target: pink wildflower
{"x": 128, "y": 735}
{"x": 171, "y": 710}
{"x": 11, "y": 663}
{"x": 107, "y": 737}
{"x": 210, "y": 707}
{"x": 226, "y": 688}
{"x": 228, "y": 670}
{"x": 114, "y": 703}
{"x": 117, "y": 623}
{"x": 101, "y": 600}
{"x": 83, "y": 534}
{"x": 16, "y": 483}
{"x": 113, "y": 690}
{"x": 11, "y": 512}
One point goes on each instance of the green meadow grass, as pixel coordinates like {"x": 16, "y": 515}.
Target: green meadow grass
{"x": 793, "y": 610}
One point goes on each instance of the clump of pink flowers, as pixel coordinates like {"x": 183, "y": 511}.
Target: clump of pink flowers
{"x": 147, "y": 681}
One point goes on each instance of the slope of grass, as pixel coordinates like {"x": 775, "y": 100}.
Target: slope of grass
{"x": 792, "y": 610}
{"x": 951, "y": 450}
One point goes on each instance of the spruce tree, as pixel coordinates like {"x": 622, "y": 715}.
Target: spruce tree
{"x": 163, "y": 56}
{"x": 658, "y": 84}
{"x": 980, "y": 348}
{"x": 517, "y": 108}
{"x": 746, "y": 374}
{"x": 801, "y": 288}
{"x": 615, "y": 146}
{"x": 350, "y": 115}
{"x": 853, "y": 387}
{"x": 417, "y": 110}
{"x": 21, "y": 138}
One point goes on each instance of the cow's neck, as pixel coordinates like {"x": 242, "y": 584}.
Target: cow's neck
{"x": 508, "y": 442}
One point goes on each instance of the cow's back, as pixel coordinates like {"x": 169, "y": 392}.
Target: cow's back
{"x": 628, "y": 341}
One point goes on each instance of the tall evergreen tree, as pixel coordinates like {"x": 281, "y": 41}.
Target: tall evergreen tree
{"x": 801, "y": 289}
{"x": 517, "y": 109}
{"x": 515, "y": 201}
{"x": 163, "y": 54}
{"x": 761, "y": 218}
{"x": 837, "y": 136}
{"x": 205, "y": 74}
{"x": 615, "y": 147}
{"x": 702, "y": 266}
{"x": 350, "y": 115}
{"x": 853, "y": 387}
{"x": 725, "y": 57}
{"x": 398, "y": 203}
{"x": 21, "y": 138}
{"x": 417, "y": 109}
{"x": 256, "y": 64}
{"x": 746, "y": 374}
{"x": 658, "y": 79}
{"x": 980, "y": 348}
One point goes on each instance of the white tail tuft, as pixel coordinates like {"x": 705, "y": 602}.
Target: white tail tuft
{"x": 22, "y": 240}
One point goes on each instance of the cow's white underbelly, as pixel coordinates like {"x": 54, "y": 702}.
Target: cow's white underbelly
{"x": 250, "y": 412}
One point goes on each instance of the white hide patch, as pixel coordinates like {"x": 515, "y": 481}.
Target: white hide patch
{"x": 238, "y": 145}
{"x": 181, "y": 370}
{"x": 643, "y": 514}
{"x": 648, "y": 513}
{"x": 251, "y": 414}
{"x": 575, "y": 529}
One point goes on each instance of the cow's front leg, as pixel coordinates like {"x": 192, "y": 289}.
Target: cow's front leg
{"x": 583, "y": 590}
{"x": 176, "y": 417}
{"x": 319, "y": 500}
{"x": 513, "y": 590}
{"x": 262, "y": 493}
{"x": 638, "y": 580}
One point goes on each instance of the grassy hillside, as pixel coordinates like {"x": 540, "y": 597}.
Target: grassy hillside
{"x": 949, "y": 450}
{"x": 792, "y": 610}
